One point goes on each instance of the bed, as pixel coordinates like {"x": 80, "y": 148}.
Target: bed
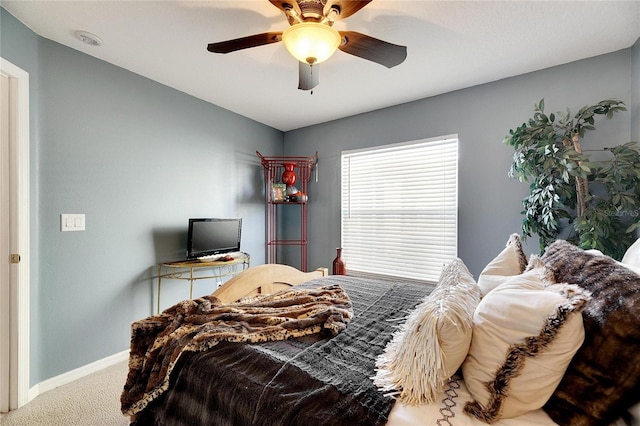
{"x": 406, "y": 353}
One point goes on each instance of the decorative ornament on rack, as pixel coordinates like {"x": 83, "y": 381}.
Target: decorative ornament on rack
{"x": 289, "y": 175}
{"x": 289, "y": 178}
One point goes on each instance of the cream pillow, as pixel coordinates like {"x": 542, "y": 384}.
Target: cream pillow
{"x": 511, "y": 261}
{"x": 432, "y": 344}
{"x": 525, "y": 333}
{"x": 632, "y": 255}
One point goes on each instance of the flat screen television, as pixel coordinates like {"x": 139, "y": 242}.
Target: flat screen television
{"x": 212, "y": 236}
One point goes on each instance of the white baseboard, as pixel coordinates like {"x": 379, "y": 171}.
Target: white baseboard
{"x": 77, "y": 373}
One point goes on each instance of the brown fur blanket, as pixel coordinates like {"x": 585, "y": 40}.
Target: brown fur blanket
{"x": 157, "y": 342}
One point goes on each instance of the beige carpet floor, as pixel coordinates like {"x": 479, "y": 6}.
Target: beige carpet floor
{"x": 93, "y": 400}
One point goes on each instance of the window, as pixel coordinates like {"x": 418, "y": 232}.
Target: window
{"x": 400, "y": 208}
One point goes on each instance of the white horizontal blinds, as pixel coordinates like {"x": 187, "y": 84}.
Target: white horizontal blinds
{"x": 399, "y": 208}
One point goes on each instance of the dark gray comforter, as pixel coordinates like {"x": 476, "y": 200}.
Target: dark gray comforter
{"x": 306, "y": 381}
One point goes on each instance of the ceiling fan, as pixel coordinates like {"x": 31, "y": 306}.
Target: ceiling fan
{"x": 311, "y": 38}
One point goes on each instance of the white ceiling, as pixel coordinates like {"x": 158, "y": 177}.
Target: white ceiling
{"x": 451, "y": 45}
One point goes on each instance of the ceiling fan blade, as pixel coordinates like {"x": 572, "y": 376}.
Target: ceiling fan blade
{"x": 308, "y": 76}
{"x": 372, "y": 49}
{"x": 244, "y": 42}
{"x": 347, "y": 7}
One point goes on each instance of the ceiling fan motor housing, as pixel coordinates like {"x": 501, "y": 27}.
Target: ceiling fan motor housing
{"x": 312, "y": 9}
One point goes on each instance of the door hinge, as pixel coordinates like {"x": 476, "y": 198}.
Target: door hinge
{"x": 14, "y": 258}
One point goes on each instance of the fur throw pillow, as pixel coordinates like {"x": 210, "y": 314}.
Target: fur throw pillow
{"x": 432, "y": 344}
{"x": 603, "y": 379}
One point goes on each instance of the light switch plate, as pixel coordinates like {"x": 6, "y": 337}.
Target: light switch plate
{"x": 72, "y": 222}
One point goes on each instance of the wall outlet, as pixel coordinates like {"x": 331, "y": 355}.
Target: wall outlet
{"x": 72, "y": 222}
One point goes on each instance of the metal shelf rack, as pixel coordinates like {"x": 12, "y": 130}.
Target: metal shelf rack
{"x": 273, "y": 168}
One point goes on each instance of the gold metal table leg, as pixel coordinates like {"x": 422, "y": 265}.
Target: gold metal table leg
{"x": 191, "y": 283}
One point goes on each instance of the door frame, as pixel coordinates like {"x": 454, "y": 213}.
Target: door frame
{"x": 17, "y": 301}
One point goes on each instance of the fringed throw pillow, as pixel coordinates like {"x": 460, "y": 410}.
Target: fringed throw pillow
{"x": 603, "y": 379}
{"x": 433, "y": 342}
{"x": 525, "y": 333}
{"x": 511, "y": 261}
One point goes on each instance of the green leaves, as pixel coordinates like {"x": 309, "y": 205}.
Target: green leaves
{"x": 548, "y": 156}
{"x": 585, "y": 118}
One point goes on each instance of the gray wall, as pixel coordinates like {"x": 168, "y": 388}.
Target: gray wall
{"x": 138, "y": 159}
{"x": 489, "y": 202}
{"x": 635, "y": 91}
{"x": 635, "y": 97}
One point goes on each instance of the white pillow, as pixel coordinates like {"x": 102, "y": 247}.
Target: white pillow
{"x": 632, "y": 255}
{"x": 511, "y": 261}
{"x": 432, "y": 344}
{"x": 525, "y": 333}
{"x": 634, "y": 413}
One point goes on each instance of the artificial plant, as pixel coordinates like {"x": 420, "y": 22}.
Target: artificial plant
{"x": 594, "y": 204}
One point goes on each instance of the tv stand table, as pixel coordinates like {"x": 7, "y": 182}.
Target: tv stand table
{"x": 184, "y": 270}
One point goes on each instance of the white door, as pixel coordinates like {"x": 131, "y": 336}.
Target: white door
{"x": 5, "y": 304}
{"x": 14, "y": 236}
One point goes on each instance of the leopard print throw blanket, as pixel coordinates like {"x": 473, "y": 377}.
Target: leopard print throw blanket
{"x": 157, "y": 342}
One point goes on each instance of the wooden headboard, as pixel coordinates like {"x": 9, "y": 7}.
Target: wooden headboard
{"x": 264, "y": 279}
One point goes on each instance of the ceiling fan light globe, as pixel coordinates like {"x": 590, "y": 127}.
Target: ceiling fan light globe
{"x": 311, "y": 42}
